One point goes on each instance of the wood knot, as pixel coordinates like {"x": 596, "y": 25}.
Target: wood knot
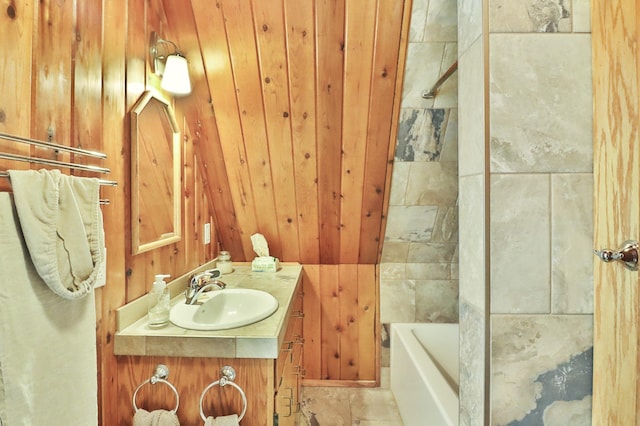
{"x": 11, "y": 11}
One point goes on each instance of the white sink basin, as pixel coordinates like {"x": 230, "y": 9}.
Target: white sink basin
{"x": 223, "y": 309}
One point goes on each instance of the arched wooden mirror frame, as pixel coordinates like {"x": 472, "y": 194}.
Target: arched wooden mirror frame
{"x": 155, "y": 174}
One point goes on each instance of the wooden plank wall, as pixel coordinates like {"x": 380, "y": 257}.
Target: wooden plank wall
{"x": 66, "y": 70}
{"x": 174, "y": 259}
{"x": 289, "y": 132}
{"x": 340, "y": 324}
{"x": 303, "y": 95}
{"x": 191, "y": 376}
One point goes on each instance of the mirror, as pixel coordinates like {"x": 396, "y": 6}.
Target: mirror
{"x": 155, "y": 174}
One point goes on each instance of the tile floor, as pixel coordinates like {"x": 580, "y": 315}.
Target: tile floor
{"x": 339, "y": 406}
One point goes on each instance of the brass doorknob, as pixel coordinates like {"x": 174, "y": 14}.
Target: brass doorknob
{"x": 627, "y": 254}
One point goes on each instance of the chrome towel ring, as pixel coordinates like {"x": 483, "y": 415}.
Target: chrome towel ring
{"x": 160, "y": 376}
{"x": 227, "y": 376}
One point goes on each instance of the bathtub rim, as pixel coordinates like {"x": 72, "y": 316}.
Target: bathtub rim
{"x": 443, "y": 394}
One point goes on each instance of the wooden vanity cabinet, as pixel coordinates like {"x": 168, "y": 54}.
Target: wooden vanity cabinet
{"x": 289, "y": 369}
{"x": 272, "y": 386}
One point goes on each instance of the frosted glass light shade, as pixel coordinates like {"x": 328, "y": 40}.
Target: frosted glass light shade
{"x": 175, "y": 78}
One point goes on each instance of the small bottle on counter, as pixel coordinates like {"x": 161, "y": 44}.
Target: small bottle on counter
{"x": 224, "y": 263}
{"x": 159, "y": 303}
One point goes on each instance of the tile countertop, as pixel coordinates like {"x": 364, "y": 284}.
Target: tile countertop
{"x": 258, "y": 340}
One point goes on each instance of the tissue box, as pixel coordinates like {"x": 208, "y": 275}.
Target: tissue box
{"x": 265, "y": 264}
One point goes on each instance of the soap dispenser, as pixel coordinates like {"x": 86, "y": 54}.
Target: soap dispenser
{"x": 159, "y": 303}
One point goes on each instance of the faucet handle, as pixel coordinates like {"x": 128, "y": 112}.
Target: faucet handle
{"x": 213, "y": 273}
{"x": 201, "y": 278}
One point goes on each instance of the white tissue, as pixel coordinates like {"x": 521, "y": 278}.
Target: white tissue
{"x": 260, "y": 245}
{"x": 264, "y": 262}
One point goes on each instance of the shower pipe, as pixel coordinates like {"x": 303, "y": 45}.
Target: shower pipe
{"x": 432, "y": 93}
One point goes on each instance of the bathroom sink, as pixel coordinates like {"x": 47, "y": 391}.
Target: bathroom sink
{"x": 223, "y": 309}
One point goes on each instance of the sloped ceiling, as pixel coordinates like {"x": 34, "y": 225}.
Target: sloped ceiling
{"x": 293, "y": 112}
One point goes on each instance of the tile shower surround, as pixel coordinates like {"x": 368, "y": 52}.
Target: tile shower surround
{"x": 419, "y": 261}
{"x": 540, "y": 162}
{"x": 540, "y": 165}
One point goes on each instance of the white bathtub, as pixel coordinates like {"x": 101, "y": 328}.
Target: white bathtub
{"x": 424, "y": 373}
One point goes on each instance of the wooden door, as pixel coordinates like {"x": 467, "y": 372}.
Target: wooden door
{"x": 616, "y": 81}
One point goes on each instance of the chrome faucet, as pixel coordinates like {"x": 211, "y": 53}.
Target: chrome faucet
{"x": 201, "y": 282}
{"x": 212, "y": 284}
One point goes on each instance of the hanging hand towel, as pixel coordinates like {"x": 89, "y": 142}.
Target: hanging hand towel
{"x": 231, "y": 420}
{"x": 48, "y": 371}
{"x": 155, "y": 418}
{"x": 61, "y": 222}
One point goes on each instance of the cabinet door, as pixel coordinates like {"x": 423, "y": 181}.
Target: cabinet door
{"x": 288, "y": 395}
{"x": 289, "y": 370}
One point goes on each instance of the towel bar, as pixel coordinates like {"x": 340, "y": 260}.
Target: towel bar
{"x": 227, "y": 375}
{"x": 53, "y": 146}
{"x": 102, "y": 182}
{"x": 47, "y": 162}
{"x": 55, "y": 163}
{"x": 160, "y": 376}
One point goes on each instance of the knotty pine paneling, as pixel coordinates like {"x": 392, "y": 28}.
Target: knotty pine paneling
{"x": 358, "y": 64}
{"x": 340, "y": 323}
{"x": 301, "y": 54}
{"x": 53, "y": 76}
{"x": 191, "y": 376}
{"x": 178, "y": 258}
{"x": 202, "y": 125}
{"x": 271, "y": 43}
{"x": 216, "y": 60}
{"x": 115, "y": 134}
{"x": 330, "y": 45}
{"x": 383, "y": 118}
{"x": 75, "y": 69}
{"x": 15, "y": 79}
{"x": 303, "y": 96}
{"x": 242, "y": 48}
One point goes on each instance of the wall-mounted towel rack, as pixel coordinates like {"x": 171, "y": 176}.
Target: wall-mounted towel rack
{"x": 56, "y": 163}
{"x": 54, "y": 146}
{"x": 432, "y": 93}
{"x": 160, "y": 375}
{"x": 227, "y": 376}
{"x": 44, "y": 161}
{"x": 102, "y": 182}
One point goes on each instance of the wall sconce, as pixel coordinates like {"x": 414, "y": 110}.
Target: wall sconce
{"x": 170, "y": 65}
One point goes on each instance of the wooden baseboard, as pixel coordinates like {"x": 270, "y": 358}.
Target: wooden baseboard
{"x": 340, "y": 383}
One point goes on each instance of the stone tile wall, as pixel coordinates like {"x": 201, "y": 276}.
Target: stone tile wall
{"x": 473, "y": 204}
{"x": 534, "y": 170}
{"x": 541, "y": 220}
{"x": 524, "y": 204}
{"x": 419, "y": 274}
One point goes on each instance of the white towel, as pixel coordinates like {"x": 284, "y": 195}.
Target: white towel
{"x": 61, "y": 221}
{"x": 47, "y": 343}
{"x": 155, "y": 418}
{"x": 231, "y": 420}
